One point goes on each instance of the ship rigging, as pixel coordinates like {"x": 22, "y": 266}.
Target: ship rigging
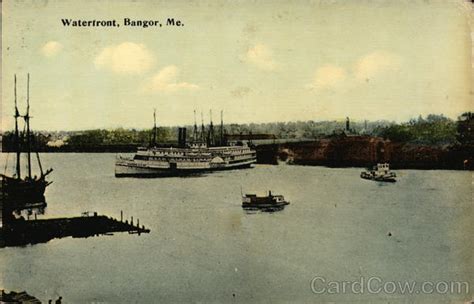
{"x": 203, "y": 154}
{"x": 28, "y": 190}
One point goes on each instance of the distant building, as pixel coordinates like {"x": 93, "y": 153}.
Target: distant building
{"x": 346, "y": 131}
{"x": 56, "y": 143}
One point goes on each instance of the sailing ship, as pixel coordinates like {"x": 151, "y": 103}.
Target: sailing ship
{"x": 29, "y": 190}
{"x": 204, "y": 153}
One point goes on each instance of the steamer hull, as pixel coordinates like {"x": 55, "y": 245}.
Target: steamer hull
{"x": 202, "y": 155}
{"x": 150, "y": 168}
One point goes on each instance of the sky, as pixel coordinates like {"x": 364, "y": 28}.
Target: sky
{"x": 257, "y": 61}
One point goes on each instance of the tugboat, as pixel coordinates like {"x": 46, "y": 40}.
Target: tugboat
{"x": 269, "y": 203}
{"x": 380, "y": 173}
{"x": 29, "y": 190}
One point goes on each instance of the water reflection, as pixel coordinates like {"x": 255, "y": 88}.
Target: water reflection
{"x": 15, "y": 223}
{"x": 248, "y": 210}
{"x": 21, "y": 226}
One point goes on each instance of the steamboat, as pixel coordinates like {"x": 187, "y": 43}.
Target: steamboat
{"x": 270, "y": 202}
{"x": 204, "y": 153}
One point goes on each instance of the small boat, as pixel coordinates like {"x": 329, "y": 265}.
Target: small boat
{"x": 381, "y": 173}
{"x": 269, "y": 202}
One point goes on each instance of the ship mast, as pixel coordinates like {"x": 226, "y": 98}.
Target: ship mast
{"x": 195, "y": 131}
{"x": 27, "y": 121}
{"x": 17, "y": 137}
{"x": 222, "y": 129}
{"x": 202, "y": 129}
{"x": 154, "y": 127}
{"x": 211, "y": 131}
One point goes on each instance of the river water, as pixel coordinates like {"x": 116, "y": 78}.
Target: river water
{"x": 204, "y": 248}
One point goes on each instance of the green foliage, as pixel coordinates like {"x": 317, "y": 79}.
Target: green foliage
{"x": 37, "y": 140}
{"x": 465, "y": 129}
{"x": 400, "y": 133}
{"x": 434, "y": 129}
{"x": 303, "y": 129}
{"x": 117, "y": 137}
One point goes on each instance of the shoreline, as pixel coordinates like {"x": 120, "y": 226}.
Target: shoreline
{"x": 338, "y": 152}
{"x": 277, "y": 155}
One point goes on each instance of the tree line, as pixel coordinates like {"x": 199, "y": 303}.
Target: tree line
{"x": 430, "y": 130}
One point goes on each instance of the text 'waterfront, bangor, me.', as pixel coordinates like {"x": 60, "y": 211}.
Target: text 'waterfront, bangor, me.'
{"x": 126, "y": 22}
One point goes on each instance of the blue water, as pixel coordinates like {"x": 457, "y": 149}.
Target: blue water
{"x": 204, "y": 248}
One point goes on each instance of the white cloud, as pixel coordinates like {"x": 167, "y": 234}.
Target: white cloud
{"x": 328, "y": 76}
{"x": 166, "y": 80}
{"x": 261, "y": 56}
{"x": 125, "y": 58}
{"x": 375, "y": 63}
{"x": 367, "y": 67}
{"x": 51, "y": 48}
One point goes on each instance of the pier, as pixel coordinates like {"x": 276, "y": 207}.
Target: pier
{"x": 19, "y": 232}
